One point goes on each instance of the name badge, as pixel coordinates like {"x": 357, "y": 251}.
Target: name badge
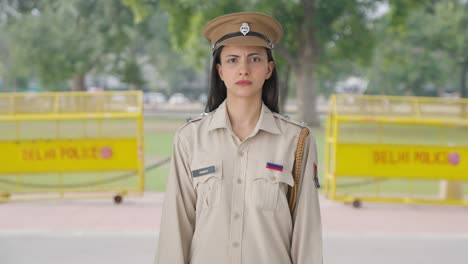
{"x": 203, "y": 171}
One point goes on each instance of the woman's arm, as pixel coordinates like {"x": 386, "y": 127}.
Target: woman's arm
{"x": 178, "y": 215}
{"x": 306, "y": 244}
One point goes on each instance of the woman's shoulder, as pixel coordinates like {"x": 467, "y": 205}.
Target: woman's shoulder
{"x": 290, "y": 122}
{"x": 294, "y": 128}
{"x": 192, "y": 124}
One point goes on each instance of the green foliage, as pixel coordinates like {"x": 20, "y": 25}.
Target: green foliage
{"x": 63, "y": 39}
{"x": 132, "y": 74}
{"x": 171, "y": 66}
{"x": 56, "y": 41}
{"x": 140, "y": 8}
{"x": 423, "y": 58}
{"x": 415, "y": 48}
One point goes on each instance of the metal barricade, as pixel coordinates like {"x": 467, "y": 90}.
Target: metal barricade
{"x": 397, "y": 149}
{"x": 71, "y": 145}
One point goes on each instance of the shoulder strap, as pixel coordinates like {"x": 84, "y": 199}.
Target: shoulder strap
{"x": 297, "y": 169}
{"x": 192, "y": 120}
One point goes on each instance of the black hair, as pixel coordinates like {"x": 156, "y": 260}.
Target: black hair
{"x": 218, "y": 91}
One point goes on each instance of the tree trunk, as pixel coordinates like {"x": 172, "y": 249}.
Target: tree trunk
{"x": 304, "y": 70}
{"x": 463, "y": 92}
{"x": 78, "y": 83}
{"x": 464, "y": 68}
{"x": 14, "y": 85}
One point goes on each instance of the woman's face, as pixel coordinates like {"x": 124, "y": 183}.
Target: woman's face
{"x": 244, "y": 69}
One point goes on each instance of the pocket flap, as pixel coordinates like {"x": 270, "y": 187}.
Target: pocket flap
{"x": 274, "y": 176}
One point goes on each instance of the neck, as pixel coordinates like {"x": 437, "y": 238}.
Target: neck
{"x": 244, "y": 115}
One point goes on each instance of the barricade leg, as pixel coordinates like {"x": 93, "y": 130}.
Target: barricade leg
{"x": 451, "y": 190}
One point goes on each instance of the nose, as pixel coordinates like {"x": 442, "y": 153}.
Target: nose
{"x": 244, "y": 67}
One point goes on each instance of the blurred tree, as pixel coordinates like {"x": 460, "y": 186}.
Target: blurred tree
{"x": 132, "y": 74}
{"x": 421, "y": 55}
{"x": 9, "y": 73}
{"x": 170, "y": 65}
{"x": 6, "y": 72}
{"x": 13, "y": 8}
{"x": 60, "y": 40}
{"x": 140, "y": 8}
{"x": 324, "y": 41}
{"x": 464, "y": 57}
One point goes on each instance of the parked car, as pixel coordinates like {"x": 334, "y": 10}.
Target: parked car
{"x": 203, "y": 98}
{"x": 154, "y": 98}
{"x": 178, "y": 98}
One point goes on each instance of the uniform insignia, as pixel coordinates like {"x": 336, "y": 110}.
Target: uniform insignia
{"x": 203, "y": 171}
{"x": 192, "y": 120}
{"x": 316, "y": 180}
{"x": 273, "y": 166}
{"x": 290, "y": 120}
{"x": 244, "y": 29}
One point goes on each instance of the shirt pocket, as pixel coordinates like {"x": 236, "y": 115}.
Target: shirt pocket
{"x": 206, "y": 179}
{"x": 269, "y": 187}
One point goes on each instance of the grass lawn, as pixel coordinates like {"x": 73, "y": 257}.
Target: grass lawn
{"x": 158, "y": 145}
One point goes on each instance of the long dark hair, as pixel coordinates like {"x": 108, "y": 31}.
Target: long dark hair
{"x": 218, "y": 89}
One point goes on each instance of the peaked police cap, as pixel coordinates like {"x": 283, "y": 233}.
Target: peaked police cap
{"x": 243, "y": 29}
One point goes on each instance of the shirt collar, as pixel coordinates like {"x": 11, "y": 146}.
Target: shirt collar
{"x": 265, "y": 122}
{"x": 220, "y": 118}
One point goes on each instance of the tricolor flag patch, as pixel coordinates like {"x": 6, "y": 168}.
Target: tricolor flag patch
{"x": 273, "y": 166}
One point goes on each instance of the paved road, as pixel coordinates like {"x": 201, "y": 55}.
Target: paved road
{"x": 99, "y": 232}
{"x": 139, "y": 247}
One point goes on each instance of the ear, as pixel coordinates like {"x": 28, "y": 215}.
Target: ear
{"x": 220, "y": 71}
{"x": 271, "y": 67}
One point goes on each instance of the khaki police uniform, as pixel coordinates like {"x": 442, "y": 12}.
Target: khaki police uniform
{"x": 226, "y": 199}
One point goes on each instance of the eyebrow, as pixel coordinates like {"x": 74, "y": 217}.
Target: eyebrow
{"x": 249, "y": 55}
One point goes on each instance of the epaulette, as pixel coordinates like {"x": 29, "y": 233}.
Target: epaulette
{"x": 190, "y": 119}
{"x": 195, "y": 119}
{"x": 290, "y": 120}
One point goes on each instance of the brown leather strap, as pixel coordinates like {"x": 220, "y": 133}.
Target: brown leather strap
{"x": 297, "y": 169}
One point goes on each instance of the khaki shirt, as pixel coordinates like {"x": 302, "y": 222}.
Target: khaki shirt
{"x": 223, "y": 205}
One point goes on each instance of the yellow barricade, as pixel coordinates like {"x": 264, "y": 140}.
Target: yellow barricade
{"x": 397, "y": 149}
{"x": 71, "y": 145}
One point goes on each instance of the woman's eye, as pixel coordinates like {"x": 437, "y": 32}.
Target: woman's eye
{"x": 256, "y": 59}
{"x": 232, "y": 60}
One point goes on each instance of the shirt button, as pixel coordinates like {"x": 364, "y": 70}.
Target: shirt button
{"x": 241, "y": 153}
{"x": 235, "y": 244}
{"x": 239, "y": 181}
{"x": 273, "y": 178}
{"x": 236, "y": 216}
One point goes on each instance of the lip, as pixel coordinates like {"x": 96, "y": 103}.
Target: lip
{"x": 243, "y": 83}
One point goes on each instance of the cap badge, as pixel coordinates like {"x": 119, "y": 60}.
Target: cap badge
{"x": 244, "y": 29}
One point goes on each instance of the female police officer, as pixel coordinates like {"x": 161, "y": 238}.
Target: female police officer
{"x": 226, "y": 198}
